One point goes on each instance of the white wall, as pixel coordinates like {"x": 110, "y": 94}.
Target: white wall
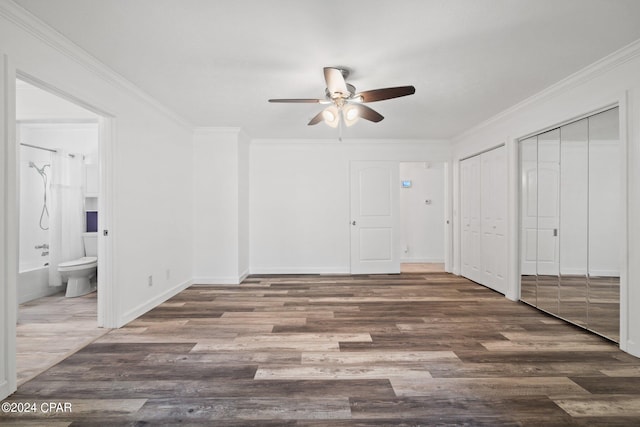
{"x": 79, "y": 138}
{"x": 221, "y": 193}
{"x": 35, "y": 104}
{"x": 299, "y": 199}
{"x": 615, "y": 79}
{"x": 422, "y": 225}
{"x": 150, "y": 160}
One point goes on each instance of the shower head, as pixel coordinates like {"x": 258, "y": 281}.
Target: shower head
{"x": 41, "y": 170}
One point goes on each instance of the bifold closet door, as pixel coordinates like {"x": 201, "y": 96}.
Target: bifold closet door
{"x": 483, "y": 203}
{"x": 574, "y": 220}
{"x": 493, "y": 209}
{"x": 470, "y": 192}
{"x": 570, "y": 213}
{"x": 529, "y": 220}
{"x": 605, "y": 207}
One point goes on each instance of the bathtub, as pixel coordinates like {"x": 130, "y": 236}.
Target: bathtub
{"x": 33, "y": 283}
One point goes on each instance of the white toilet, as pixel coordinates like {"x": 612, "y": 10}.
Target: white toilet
{"x": 79, "y": 272}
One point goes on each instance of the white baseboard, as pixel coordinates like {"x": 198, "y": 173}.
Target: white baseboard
{"x": 6, "y": 389}
{"x": 632, "y": 348}
{"x": 219, "y": 280}
{"x": 154, "y": 302}
{"x": 300, "y": 270}
{"x": 604, "y": 273}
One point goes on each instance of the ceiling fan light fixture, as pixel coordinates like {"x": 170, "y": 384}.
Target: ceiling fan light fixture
{"x": 331, "y": 116}
{"x": 350, "y": 114}
{"x": 345, "y": 105}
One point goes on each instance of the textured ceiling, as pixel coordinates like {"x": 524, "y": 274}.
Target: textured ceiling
{"x": 216, "y": 62}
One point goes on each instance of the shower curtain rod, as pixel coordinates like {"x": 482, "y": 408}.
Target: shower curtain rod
{"x": 48, "y": 149}
{"x": 39, "y": 148}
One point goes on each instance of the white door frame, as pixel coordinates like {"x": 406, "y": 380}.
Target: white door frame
{"x": 106, "y": 310}
{"x": 448, "y": 217}
{"x": 9, "y": 221}
{"x": 8, "y": 228}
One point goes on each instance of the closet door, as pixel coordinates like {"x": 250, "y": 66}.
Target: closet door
{"x": 570, "y": 214}
{"x": 483, "y": 205}
{"x": 470, "y": 251}
{"x": 605, "y": 207}
{"x": 529, "y": 220}
{"x": 493, "y": 208}
{"x": 574, "y": 174}
{"x": 548, "y": 251}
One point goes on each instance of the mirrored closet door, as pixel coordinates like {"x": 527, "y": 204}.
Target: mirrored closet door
{"x": 570, "y": 209}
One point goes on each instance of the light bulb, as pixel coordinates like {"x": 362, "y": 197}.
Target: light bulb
{"x": 351, "y": 114}
{"x": 330, "y": 116}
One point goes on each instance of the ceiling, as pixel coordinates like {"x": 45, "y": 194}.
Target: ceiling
{"x": 216, "y": 62}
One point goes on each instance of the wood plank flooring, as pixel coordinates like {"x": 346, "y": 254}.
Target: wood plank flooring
{"x": 52, "y": 328}
{"x": 410, "y": 349}
{"x": 422, "y": 267}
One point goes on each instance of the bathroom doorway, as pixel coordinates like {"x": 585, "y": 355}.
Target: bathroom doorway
{"x": 59, "y": 188}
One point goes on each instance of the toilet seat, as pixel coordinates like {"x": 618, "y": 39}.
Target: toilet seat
{"x": 80, "y": 263}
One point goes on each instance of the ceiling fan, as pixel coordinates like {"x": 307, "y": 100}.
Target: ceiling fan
{"x": 344, "y": 103}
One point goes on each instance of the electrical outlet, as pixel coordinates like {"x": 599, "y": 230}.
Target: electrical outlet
{"x": 150, "y": 280}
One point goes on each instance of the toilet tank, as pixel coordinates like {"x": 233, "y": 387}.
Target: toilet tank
{"x": 90, "y": 244}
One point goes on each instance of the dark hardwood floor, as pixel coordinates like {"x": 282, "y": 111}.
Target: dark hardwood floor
{"x": 409, "y": 349}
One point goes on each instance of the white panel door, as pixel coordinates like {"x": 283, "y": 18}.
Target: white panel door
{"x": 471, "y": 250}
{"x": 375, "y": 239}
{"x": 493, "y": 208}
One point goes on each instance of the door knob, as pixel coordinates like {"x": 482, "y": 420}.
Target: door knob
{"x": 353, "y": 222}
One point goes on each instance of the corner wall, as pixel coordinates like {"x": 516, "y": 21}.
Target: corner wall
{"x": 150, "y": 227}
{"x": 221, "y": 199}
{"x": 613, "y": 80}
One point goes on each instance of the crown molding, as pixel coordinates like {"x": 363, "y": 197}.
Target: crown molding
{"x": 427, "y": 142}
{"x": 602, "y": 66}
{"x": 209, "y": 130}
{"x": 46, "y": 34}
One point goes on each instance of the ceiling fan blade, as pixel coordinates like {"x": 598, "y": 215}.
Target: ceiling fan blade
{"x": 316, "y": 119}
{"x": 298, "y": 101}
{"x": 367, "y": 113}
{"x": 386, "y": 93}
{"x": 335, "y": 80}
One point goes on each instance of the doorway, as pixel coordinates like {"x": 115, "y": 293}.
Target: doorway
{"x": 399, "y": 217}
{"x": 423, "y": 208}
{"x": 60, "y": 199}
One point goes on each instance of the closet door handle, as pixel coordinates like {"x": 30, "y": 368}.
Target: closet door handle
{"x": 353, "y": 222}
